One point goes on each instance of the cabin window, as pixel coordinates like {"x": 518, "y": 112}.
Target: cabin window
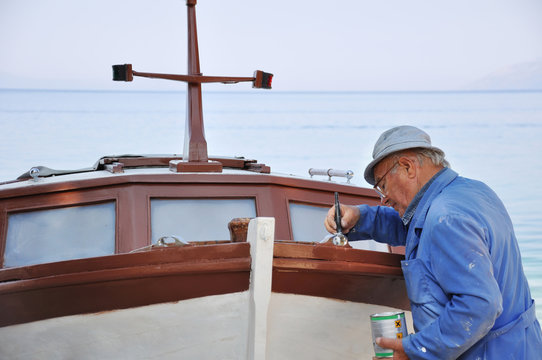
{"x": 73, "y": 232}
{"x": 197, "y": 219}
{"x": 308, "y": 226}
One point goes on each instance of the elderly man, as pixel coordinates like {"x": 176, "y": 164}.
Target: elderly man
{"x": 468, "y": 294}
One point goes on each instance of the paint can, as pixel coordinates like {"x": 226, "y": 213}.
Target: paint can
{"x": 389, "y": 325}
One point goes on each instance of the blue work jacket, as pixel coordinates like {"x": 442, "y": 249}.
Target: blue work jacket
{"x": 468, "y": 293}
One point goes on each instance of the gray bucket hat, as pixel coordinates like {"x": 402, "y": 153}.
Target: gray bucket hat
{"x": 396, "y": 139}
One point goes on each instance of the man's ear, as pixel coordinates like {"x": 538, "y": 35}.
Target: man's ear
{"x": 409, "y": 165}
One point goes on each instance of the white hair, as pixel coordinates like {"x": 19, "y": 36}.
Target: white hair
{"x": 437, "y": 156}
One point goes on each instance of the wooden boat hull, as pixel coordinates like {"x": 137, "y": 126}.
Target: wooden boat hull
{"x": 227, "y": 301}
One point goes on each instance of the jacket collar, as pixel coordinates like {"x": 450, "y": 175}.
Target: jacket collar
{"x": 411, "y": 209}
{"x": 443, "y": 179}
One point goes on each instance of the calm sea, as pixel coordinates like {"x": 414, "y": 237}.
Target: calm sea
{"x": 495, "y": 137}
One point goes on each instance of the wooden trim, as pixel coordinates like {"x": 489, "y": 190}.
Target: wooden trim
{"x": 132, "y": 232}
{"x": 339, "y": 273}
{"x": 154, "y": 257}
{"x": 122, "y": 281}
{"x": 134, "y": 271}
{"x": 41, "y": 202}
{"x": 356, "y": 287}
{"x": 339, "y": 267}
{"x": 3, "y": 233}
{"x": 293, "y": 250}
{"x": 60, "y": 200}
{"x": 202, "y": 178}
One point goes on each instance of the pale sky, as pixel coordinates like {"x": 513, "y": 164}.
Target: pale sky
{"x": 308, "y": 45}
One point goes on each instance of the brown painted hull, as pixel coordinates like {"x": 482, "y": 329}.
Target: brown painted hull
{"x": 340, "y": 273}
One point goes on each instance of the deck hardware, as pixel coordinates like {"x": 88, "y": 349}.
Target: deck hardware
{"x": 123, "y": 72}
{"x": 259, "y": 168}
{"x": 35, "y": 173}
{"x": 177, "y": 241}
{"x": 115, "y": 167}
{"x": 238, "y": 229}
{"x": 326, "y": 239}
{"x": 161, "y": 243}
{"x": 262, "y": 80}
{"x": 348, "y": 174}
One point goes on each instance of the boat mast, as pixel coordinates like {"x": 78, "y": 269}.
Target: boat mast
{"x": 195, "y": 157}
{"x": 195, "y": 145}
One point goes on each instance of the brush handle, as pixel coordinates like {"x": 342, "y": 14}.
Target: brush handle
{"x": 338, "y": 213}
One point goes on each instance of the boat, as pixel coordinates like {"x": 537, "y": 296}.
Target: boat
{"x": 191, "y": 257}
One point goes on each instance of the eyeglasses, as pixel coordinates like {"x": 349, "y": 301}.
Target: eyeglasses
{"x": 380, "y": 190}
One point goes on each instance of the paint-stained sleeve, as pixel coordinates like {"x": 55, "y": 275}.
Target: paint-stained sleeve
{"x": 379, "y": 223}
{"x": 460, "y": 265}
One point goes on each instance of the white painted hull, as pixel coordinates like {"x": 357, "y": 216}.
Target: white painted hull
{"x": 308, "y": 327}
{"x": 213, "y": 327}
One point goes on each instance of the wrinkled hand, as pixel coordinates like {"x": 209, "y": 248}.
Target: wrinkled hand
{"x": 349, "y": 218}
{"x": 395, "y": 344}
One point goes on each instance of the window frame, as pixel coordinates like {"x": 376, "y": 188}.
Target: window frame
{"x": 151, "y": 198}
{"x": 42, "y": 202}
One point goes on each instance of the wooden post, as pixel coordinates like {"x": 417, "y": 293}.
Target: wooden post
{"x": 195, "y": 157}
{"x": 261, "y": 236}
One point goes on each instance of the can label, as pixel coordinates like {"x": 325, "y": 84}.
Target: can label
{"x": 389, "y": 325}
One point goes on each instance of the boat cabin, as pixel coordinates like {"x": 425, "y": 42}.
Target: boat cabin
{"x": 129, "y": 203}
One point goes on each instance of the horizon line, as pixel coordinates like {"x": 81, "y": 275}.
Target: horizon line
{"x": 278, "y": 91}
